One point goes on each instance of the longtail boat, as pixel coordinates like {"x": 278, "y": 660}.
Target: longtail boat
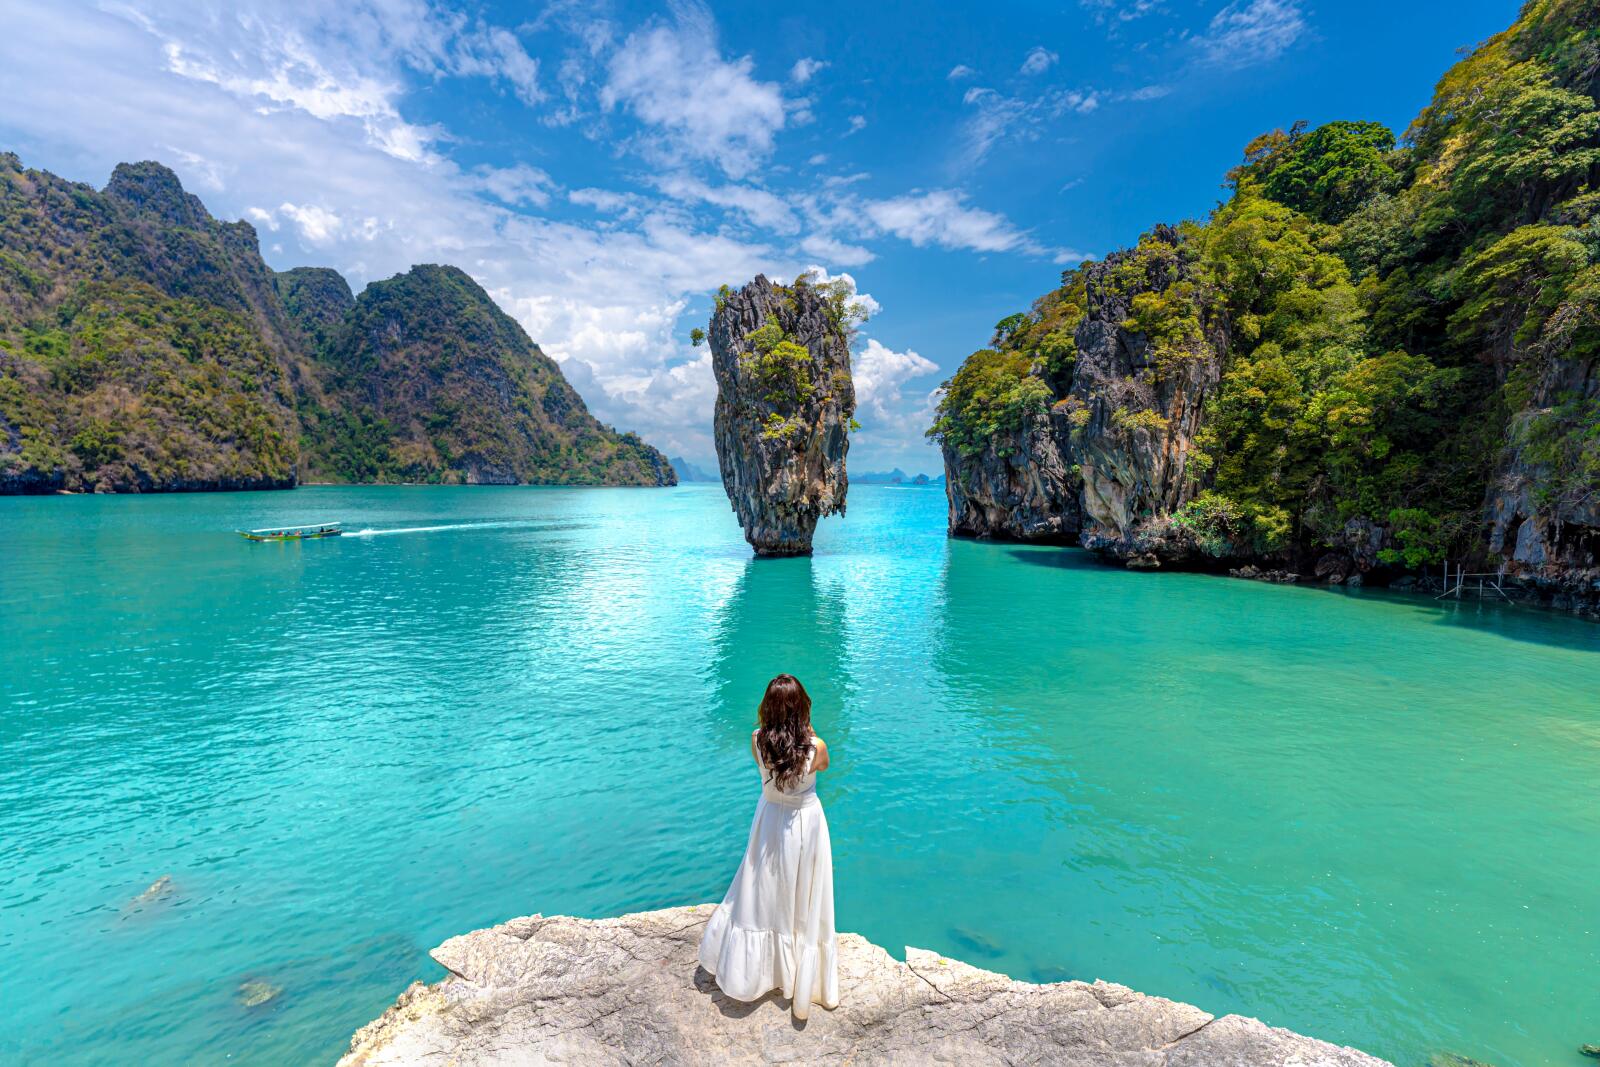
{"x": 293, "y": 533}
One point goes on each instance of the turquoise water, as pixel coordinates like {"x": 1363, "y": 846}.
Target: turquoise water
{"x": 1366, "y": 817}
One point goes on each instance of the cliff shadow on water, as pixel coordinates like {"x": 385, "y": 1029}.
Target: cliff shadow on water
{"x": 1520, "y": 620}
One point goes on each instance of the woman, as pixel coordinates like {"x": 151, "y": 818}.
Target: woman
{"x": 774, "y": 929}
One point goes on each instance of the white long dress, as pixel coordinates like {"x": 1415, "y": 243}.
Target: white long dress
{"x": 774, "y": 929}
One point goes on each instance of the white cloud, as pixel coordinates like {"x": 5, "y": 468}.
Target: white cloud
{"x": 959, "y": 71}
{"x": 494, "y": 52}
{"x": 1249, "y": 32}
{"x": 1039, "y": 60}
{"x": 338, "y": 62}
{"x": 1122, "y": 10}
{"x": 839, "y": 181}
{"x": 996, "y": 117}
{"x": 857, "y": 124}
{"x": 317, "y": 224}
{"x": 761, "y": 207}
{"x": 608, "y": 200}
{"x": 941, "y": 217}
{"x": 835, "y": 251}
{"x": 888, "y": 417}
{"x": 993, "y": 118}
{"x": 516, "y": 184}
{"x": 805, "y": 69}
{"x": 704, "y": 107}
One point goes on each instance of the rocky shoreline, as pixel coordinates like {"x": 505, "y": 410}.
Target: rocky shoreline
{"x": 628, "y": 990}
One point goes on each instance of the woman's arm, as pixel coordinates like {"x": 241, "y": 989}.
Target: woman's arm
{"x": 820, "y": 761}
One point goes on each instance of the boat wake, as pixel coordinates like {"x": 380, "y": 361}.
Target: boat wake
{"x": 435, "y": 529}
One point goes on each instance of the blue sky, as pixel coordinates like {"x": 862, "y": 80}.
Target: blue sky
{"x": 601, "y": 168}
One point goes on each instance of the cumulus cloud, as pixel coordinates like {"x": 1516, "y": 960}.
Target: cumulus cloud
{"x": 805, "y": 69}
{"x": 960, "y": 71}
{"x": 879, "y": 372}
{"x": 516, "y": 184}
{"x": 317, "y": 224}
{"x": 761, "y": 207}
{"x": 857, "y": 124}
{"x": 1249, "y": 32}
{"x": 700, "y": 106}
{"x": 891, "y": 415}
{"x": 942, "y": 217}
{"x": 1039, "y": 60}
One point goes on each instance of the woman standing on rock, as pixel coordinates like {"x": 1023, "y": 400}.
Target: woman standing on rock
{"x": 774, "y": 929}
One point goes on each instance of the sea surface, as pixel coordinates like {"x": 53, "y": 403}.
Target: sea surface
{"x": 1368, "y": 817}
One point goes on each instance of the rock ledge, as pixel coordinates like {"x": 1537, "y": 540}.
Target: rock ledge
{"x": 628, "y": 990}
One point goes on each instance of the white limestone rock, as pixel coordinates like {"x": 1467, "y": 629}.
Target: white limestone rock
{"x": 628, "y": 990}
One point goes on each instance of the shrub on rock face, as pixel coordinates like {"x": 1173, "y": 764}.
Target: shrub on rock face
{"x": 993, "y": 395}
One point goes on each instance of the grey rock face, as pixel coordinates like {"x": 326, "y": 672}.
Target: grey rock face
{"x": 628, "y": 990}
{"x": 1111, "y": 460}
{"x": 1135, "y": 470}
{"x": 782, "y": 455}
{"x": 1552, "y": 545}
{"x": 1021, "y": 487}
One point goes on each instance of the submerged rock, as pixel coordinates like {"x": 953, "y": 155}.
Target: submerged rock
{"x": 785, "y": 400}
{"x": 256, "y": 992}
{"x": 160, "y": 892}
{"x": 629, "y": 990}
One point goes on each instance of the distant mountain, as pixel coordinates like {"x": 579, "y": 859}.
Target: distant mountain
{"x": 688, "y": 472}
{"x": 894, "y": 477}
{"x": 145, "y": 346}
{"x": 428, "y": 380}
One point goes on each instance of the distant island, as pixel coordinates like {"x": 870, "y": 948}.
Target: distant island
{"x": 146, "y": 347}
{"x": 895, "y": 477}
{"x": 689, "y": 472}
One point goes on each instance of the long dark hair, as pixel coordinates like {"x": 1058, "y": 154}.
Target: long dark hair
{"x": 784, "y": 739}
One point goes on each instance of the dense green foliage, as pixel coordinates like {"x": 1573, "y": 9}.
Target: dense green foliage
{"x": 429, "y": 381}
{"x": 1392, "y": 314}
{"x": 140, "y": 348}
{"x": 146, "y": 346}
{"x": 992, "y": 395}
{"x": 1328, "y": 173}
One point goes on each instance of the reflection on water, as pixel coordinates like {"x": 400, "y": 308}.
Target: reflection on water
{"x": 1363, "y": 816}
{"x": 776, "y": 621}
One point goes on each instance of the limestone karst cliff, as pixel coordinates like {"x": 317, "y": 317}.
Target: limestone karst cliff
{"x": 1377, "y": 355}
{"x": 628, "y": 990}
{"x": 145, "y": 346}
{"x": 785, "y": 401}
